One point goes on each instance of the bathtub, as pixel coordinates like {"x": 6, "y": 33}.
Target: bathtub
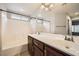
{"x": 14, "y": 47}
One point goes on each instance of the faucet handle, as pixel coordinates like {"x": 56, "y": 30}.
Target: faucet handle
{"x": 69, "y": 38}
{"x": 38, "y": 33}
{"x": 72, "y": 39}
{"x": 65, "y": 37}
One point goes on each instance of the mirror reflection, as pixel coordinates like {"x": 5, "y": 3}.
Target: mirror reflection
{"x": 73, "y": 24}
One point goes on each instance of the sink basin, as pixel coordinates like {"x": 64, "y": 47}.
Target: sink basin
{"x": 65, "y": 44}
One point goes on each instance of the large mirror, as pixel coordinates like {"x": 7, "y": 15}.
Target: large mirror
{"x": 73, "y": 24}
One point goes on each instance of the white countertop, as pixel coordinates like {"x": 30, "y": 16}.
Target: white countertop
{"x": 57, "y": 41}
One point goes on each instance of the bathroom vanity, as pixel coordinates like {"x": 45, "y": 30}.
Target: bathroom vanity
{"x": 38, "y": 48}
{"x": 39, "y": 45}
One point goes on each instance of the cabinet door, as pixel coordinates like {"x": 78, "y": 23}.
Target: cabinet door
{"x": 30, "y": 45}
{"x": 51, "y": 51}
{"x": 37, "y": 51}
{"x": 39, "y": 44}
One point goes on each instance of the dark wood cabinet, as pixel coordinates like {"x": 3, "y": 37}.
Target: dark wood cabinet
{"x": 35, "y": 47}
{"x": 38, "y": 48}
{"x": 37, "y": 51}
{"x": 30, "y": 45}
{"x": 50, "y": 51}
{"x": 39, "y": 44}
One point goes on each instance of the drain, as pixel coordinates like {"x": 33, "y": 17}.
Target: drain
{"x": 67, "y": 47}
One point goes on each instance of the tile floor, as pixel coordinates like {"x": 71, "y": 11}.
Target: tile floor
{"x": 25, "y": 54}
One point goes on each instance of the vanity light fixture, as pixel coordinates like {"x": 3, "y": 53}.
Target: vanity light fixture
{"x": 47, "y": 6}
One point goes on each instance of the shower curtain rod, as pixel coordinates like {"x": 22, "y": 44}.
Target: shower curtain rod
{"x": 22, "y": 15}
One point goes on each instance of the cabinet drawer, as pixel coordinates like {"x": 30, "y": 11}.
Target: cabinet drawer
{"x": 39, "y": 44}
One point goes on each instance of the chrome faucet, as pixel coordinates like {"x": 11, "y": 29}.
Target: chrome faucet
{"x": 38, "y": 33}
{"x": 69, "y": 38}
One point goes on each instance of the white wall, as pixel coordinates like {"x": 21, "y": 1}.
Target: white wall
{"x": 14, "y": 33}
{"x": 60, "y": 23}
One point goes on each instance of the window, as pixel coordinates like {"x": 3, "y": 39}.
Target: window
{"x": 19, "y": 17}
{"x": 75, "y": 28}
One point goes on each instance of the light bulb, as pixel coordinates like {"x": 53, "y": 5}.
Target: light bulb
{"x": 42, "y": 7}
{"x": 51, "y": 6}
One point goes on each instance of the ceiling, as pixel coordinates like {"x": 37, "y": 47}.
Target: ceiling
{"x": 34, "y": 8}
{"x": 24, "y": 8}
